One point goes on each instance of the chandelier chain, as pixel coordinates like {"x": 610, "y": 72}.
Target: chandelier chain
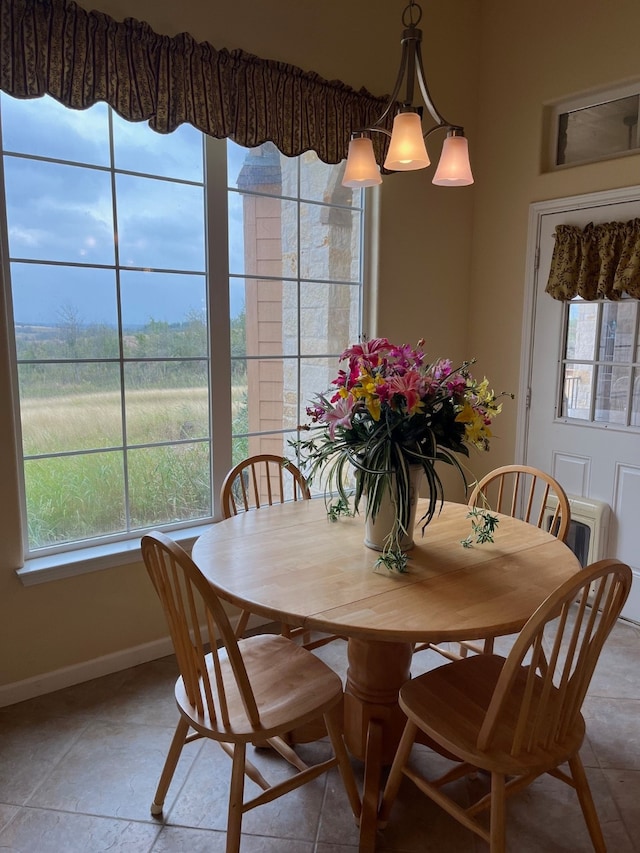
{"x": 407, "y": 15}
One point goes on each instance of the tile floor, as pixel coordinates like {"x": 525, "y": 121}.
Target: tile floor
{"x": 78, "y": 769}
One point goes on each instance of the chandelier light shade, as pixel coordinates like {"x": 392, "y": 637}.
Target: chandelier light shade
{"x": 407, "y": 147}
{"x": 407, "y": 150}
{"x": 454, "y": 169}
{"x": 361, "y": 169}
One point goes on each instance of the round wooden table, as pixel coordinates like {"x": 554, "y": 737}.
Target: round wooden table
{"x": 291, "y": 564}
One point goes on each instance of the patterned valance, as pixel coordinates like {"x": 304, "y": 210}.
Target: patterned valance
{"x": 57, "y": 48}
{"x": 597, "y": 262}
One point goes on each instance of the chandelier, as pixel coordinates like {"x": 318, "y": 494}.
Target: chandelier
{"x": 407, "y": 149}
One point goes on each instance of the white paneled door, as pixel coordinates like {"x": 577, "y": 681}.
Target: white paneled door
{"x": 580, "y": 365}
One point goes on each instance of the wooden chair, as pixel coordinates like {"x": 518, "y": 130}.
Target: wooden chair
{"x": 254, "y": 690}
{"x": 516, "y": 717}
{"x": 264, "y": 480}
{"x": 522, "y": 492}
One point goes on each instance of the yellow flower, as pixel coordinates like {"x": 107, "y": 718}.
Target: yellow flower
{"x": 366, "y": 390}
{"x": 373, "y": 407}
{"x": 477, "y": 432}
{"x": 465, "y": 415}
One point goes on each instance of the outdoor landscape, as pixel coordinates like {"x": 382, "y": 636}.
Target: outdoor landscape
{"x": 87, "y": 430}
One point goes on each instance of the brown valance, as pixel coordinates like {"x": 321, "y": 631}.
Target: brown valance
{"x": 596, "y": 262}
{"x": 55, "y": 47}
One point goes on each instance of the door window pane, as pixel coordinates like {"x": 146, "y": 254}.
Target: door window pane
{"x": 635, "y": 402}
{"x": 618, "y": 328}
{"x": 576, "y": 398}
{"x": 612, "y": 394}
{"x": 600, "y": 362}
{"x": 582, "y": 330}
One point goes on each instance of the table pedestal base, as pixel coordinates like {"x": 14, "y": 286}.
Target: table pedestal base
{"x": 373, "y": 720}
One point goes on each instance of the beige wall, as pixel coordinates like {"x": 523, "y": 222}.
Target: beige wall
{"x": 532, "y": 54}
{"x": 451, "y": 261}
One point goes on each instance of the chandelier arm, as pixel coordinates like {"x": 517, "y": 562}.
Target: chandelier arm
{"x": 394, "y": 95}
{"x": 411, "y": 45}
{"x": 447, "y": 127}
{"x": 437, "y": 116}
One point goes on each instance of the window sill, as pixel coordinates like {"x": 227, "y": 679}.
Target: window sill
{"x": 72, "y": 563}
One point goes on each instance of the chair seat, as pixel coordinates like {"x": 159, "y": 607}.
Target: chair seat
{"x": 450, "y": 705}
{"x": 291, "y": 687}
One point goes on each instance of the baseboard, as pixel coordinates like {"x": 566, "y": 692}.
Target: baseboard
{"x": 58, "y": 679}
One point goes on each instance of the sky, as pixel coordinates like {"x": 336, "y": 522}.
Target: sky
{"x": 64, "y": 213}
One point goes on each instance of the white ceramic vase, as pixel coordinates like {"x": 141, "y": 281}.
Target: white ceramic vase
{"x": 377, "y": 532}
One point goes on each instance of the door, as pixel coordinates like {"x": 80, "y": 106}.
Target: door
{"x": 582, "y": 423}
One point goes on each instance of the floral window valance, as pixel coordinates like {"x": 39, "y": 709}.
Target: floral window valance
{"x": 56, "y": 47}
{"x": 597, "y": 262}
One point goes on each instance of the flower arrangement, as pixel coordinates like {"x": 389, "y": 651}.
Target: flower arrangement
{"x": 389, "y": 409}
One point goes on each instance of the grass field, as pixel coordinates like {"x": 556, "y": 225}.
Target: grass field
{"x": 84, "y": 495}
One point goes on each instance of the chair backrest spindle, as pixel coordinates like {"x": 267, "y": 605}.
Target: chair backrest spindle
{"x": 557, "y": 682}
{"x": 199, "y": 628}
{"x": 527, "y": 491}
{"x": 260, "y": 480}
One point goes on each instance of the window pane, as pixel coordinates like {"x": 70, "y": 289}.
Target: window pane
{"x": 618, "y": 327}
{"x": 137, "y": 148}
{"x": 329, "y": 241}
{"x": 582, "y": 330}
{"x": 269, "y": 382}
{"x": 263, "y": 236}
{"x": 316, "y": 376}
{"x": 81, "y": 136}
{"x": 266, "y": 318}
{"x": 263, "y": 169}
{"x": 166, "y": 401}
{"x": 329, "y": 317}
{"x": 635, "y": 402}
{"x": 238, "y": 316}
{"x": 323, "y": 183}
{"x": 160, "y": 224}
{"x": 576, "y": 398}
{"x": 276, "y": 443}
{"x": 70, "y": 498}
{"x": 64, "y": 312}
{"x": 612, "y": 394}
{"x": 169, "y": 484}
{"x": 164, "y": 314}
{"x": 58, "y": 213}
{"x": 69, "y": 407}
{"x": 598, "y": 131}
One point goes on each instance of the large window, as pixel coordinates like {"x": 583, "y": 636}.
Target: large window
{"x": 147, "y": 354}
